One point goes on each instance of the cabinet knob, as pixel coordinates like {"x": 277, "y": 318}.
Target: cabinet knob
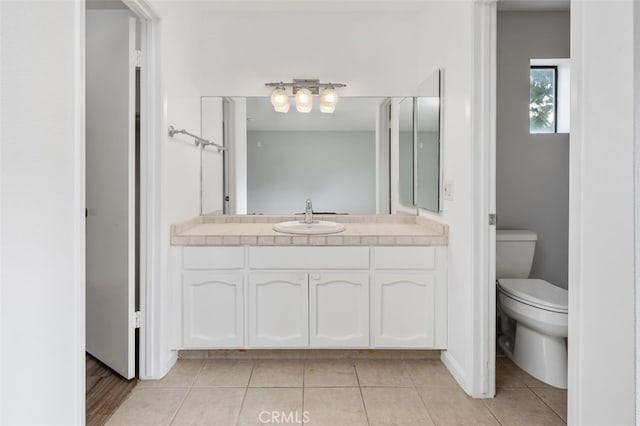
{"x": 315, "y": 276}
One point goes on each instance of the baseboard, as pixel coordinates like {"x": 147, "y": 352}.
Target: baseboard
{"x": 164, "y": 368}
{"x": 309, "y": 354}
{"x": 456, "y": 371}
{"x": 169, "y": 363}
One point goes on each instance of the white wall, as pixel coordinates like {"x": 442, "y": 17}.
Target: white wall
{"x": 453, "y": 22}
{"x": 532, "y": 181}
{"x": 377, "y": 49}
{"x": 601, "y": 261}
{"x": 42, "y": 213}
{"x": 371, "y": 50}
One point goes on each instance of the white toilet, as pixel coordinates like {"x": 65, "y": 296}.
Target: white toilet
{"x": 533, "y": 312}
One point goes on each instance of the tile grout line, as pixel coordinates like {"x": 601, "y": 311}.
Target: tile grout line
{"x": 197, "y": 376}
{"x": 415, "y": 387}
{"x": 364, "y": 405}
{"x": 545, "y": 403}
{"x": 189, "y": 389}
{"x": 495, "y": 416}
{"x": 175, "y": 413}
{"x": 304, "y": 369}
{"x": 246, "y": 389}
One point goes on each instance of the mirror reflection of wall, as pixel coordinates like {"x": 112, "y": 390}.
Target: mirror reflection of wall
{"x": 329, "y": 158}
{"x": 405, "y": 153}
{"x": 428, "y": 152}
{"x": 289, "y": 157}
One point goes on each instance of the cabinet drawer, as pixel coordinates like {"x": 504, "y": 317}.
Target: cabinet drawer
{"x": 213, "y": 257}
{"x": 309, "y": 257}
{"x": 404, "y": 258}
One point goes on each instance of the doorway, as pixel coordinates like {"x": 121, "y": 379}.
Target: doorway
{"x": 531, "y": 178}
{"x": 111, "y": 170}
{"x": 115, "y": 122}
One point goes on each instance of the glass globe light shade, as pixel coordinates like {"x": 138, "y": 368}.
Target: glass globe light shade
{"x": 304, "y": 100}
{"x": 280, "y": 100}
{"x": 328, "y": 100}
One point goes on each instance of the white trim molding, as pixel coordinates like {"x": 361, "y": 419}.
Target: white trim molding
{"x": 152, "y": 355}
{"x": 79, "y": 201}
{"x": 1, "y": 209}
{"x": 483, "y": 124}
{"x": 575, "y": 217}
{"x": 602, "y": 304}
{"x": 636, "y": 168}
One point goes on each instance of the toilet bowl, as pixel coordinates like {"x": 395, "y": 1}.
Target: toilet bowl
{"x": 539, "y": 310}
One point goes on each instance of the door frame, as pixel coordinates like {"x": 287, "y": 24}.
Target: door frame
{"x": 152, "y": 238}
{"x": 483, "y": 187}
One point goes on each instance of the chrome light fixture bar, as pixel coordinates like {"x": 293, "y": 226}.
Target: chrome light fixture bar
{"x": 303, "y": 91}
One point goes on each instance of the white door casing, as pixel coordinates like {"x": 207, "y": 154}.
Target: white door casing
{"x": 110, "y": 190}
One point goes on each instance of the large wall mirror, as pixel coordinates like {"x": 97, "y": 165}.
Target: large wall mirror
{"x": 372, "y": 155}
{"x": 329, "y": 158}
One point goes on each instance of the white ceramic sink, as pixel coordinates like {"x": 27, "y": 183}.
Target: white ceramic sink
{"x": 316, "y": 227}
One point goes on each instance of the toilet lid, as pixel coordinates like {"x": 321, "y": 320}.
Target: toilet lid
{"x": 536, "y": 292}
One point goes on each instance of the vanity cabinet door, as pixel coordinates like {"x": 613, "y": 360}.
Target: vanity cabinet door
{"x": 403, "y": 309}
{"x": 278, "y": 309}
{"x": 339, "y": 309}
{"x": 213, "y": 309}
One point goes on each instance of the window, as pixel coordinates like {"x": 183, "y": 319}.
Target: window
{"x": 543, "y": 95}
{"x": 549, "y": 97}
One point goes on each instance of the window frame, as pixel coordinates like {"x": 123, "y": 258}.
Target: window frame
{"x": 555, "y": 96}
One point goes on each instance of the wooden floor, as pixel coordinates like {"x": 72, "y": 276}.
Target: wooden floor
{"x": 106, "y": 390}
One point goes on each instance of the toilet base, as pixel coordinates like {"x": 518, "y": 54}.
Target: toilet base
{"x": 542, "y": 356}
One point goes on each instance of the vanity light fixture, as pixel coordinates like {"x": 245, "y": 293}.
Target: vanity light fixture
{"x": 280, "y": 99}
{"x": 304, "y": 100}
{"x": 303, "y": 91}
{"x": 328, "y": 99}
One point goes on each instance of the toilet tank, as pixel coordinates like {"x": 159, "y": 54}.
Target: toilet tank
{"x": 514, "y": 253}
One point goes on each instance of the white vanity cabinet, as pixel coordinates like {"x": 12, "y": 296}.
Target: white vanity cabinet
{"x": 300, "y": 309}
{"x": 332, "y": 306}
{"x": 213, "y": 297}
{"x": 409, "y": 297}
{"x": 213, "y": 309}
{"x": 278, "y": 310}
{"x": 314, "y": 297}
{"x": 339, "y": 309}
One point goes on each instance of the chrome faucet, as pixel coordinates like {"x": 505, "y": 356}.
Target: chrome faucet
{"x": 308, "y": 211}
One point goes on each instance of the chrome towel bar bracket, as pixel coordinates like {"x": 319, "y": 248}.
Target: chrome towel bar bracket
{"x": 198, "y": 140}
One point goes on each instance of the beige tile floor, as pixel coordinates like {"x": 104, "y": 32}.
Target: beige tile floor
{"x": 335, "y": 392}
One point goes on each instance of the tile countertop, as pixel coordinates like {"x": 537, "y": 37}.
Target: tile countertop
{"x": 361, "y": 230}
